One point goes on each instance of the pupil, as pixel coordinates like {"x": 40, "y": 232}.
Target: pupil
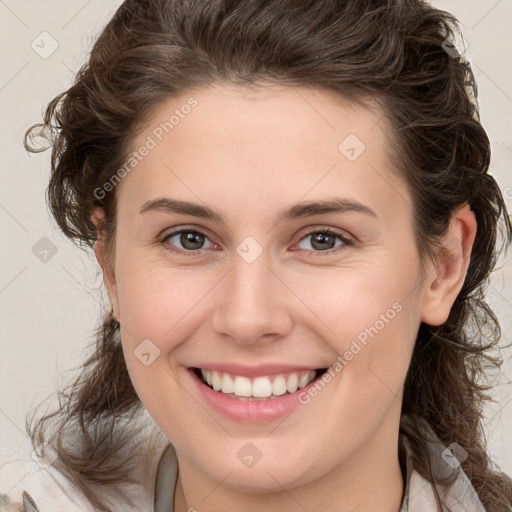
{"x": 323, "y": 237}
{"x": 189, "y": 237}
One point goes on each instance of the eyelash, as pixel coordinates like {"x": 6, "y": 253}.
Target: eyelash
{"x": 346, "y": 241}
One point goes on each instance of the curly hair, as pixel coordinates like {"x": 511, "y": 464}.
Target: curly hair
{"x": 393, "y": 52}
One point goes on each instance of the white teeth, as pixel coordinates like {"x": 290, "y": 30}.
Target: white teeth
{"x": 207, "y": 376}
{"x": 292, "y": 383}
{"x": 216, "y": 381}
{"x": 242, "y": 386}
{"x": 304, "y": 380}
{"x": 227, "y": 384}
{"x": 279, "y": 385}
{"x": 260, "y": 387}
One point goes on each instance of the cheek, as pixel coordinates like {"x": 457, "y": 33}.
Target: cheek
{"x": 154, "y": 300}
{"x": 150, "y": 308}
{"x": 370, "y": 317}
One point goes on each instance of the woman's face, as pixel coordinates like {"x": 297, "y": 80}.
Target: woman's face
{"x": 256, "y": 290}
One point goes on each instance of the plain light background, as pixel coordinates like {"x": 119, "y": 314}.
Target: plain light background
{"x": 49, "y": 308}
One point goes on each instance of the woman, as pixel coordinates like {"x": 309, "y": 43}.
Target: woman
{"x": 291, "y": 208}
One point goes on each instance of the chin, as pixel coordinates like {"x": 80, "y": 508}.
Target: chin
{"x": 262, "y": 478}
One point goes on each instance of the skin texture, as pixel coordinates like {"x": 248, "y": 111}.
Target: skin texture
{"x": 249, "y": 154}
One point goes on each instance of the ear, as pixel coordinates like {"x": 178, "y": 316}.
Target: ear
{"x": 445, "y": 280}
{"x": 100, "y": 250}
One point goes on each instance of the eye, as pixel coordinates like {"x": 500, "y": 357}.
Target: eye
{"x": 324, "y": 240}
{"x": 192, "y": 241}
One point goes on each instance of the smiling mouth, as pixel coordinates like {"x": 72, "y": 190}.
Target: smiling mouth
{"x": 258, "y": 388}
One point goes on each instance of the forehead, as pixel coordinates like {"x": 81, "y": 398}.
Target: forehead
{"x": 262, "y": 143}
{"x": 226, "y": 113}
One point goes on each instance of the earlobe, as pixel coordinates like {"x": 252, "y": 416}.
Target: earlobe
{"x": 446, "y": 279}
{"x": 102, "y": 256}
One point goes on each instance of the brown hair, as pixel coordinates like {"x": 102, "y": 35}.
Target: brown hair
{"x": 391, "y": 51}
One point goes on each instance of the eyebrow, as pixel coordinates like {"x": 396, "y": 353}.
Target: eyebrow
{"x": 300, "y": 210}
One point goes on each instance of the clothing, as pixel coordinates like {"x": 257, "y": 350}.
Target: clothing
{"x": 35, "y": 488}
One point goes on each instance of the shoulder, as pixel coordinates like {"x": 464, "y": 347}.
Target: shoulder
{"x": 27, "y": 504}
{"x": 30, "y": 486}
{"x": 36, "y": 485}
{"x": 459, "y": 497}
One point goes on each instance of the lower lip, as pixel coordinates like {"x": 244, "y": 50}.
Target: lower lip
{"x": 243, "y": 411}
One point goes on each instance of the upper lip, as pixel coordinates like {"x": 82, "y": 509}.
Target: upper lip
{"x": 255, "y": 371}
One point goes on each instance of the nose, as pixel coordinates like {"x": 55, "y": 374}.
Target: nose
{"x": 252, "y": 305}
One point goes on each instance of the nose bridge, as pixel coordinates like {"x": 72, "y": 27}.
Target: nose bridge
{"x": 250, "y": 305}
